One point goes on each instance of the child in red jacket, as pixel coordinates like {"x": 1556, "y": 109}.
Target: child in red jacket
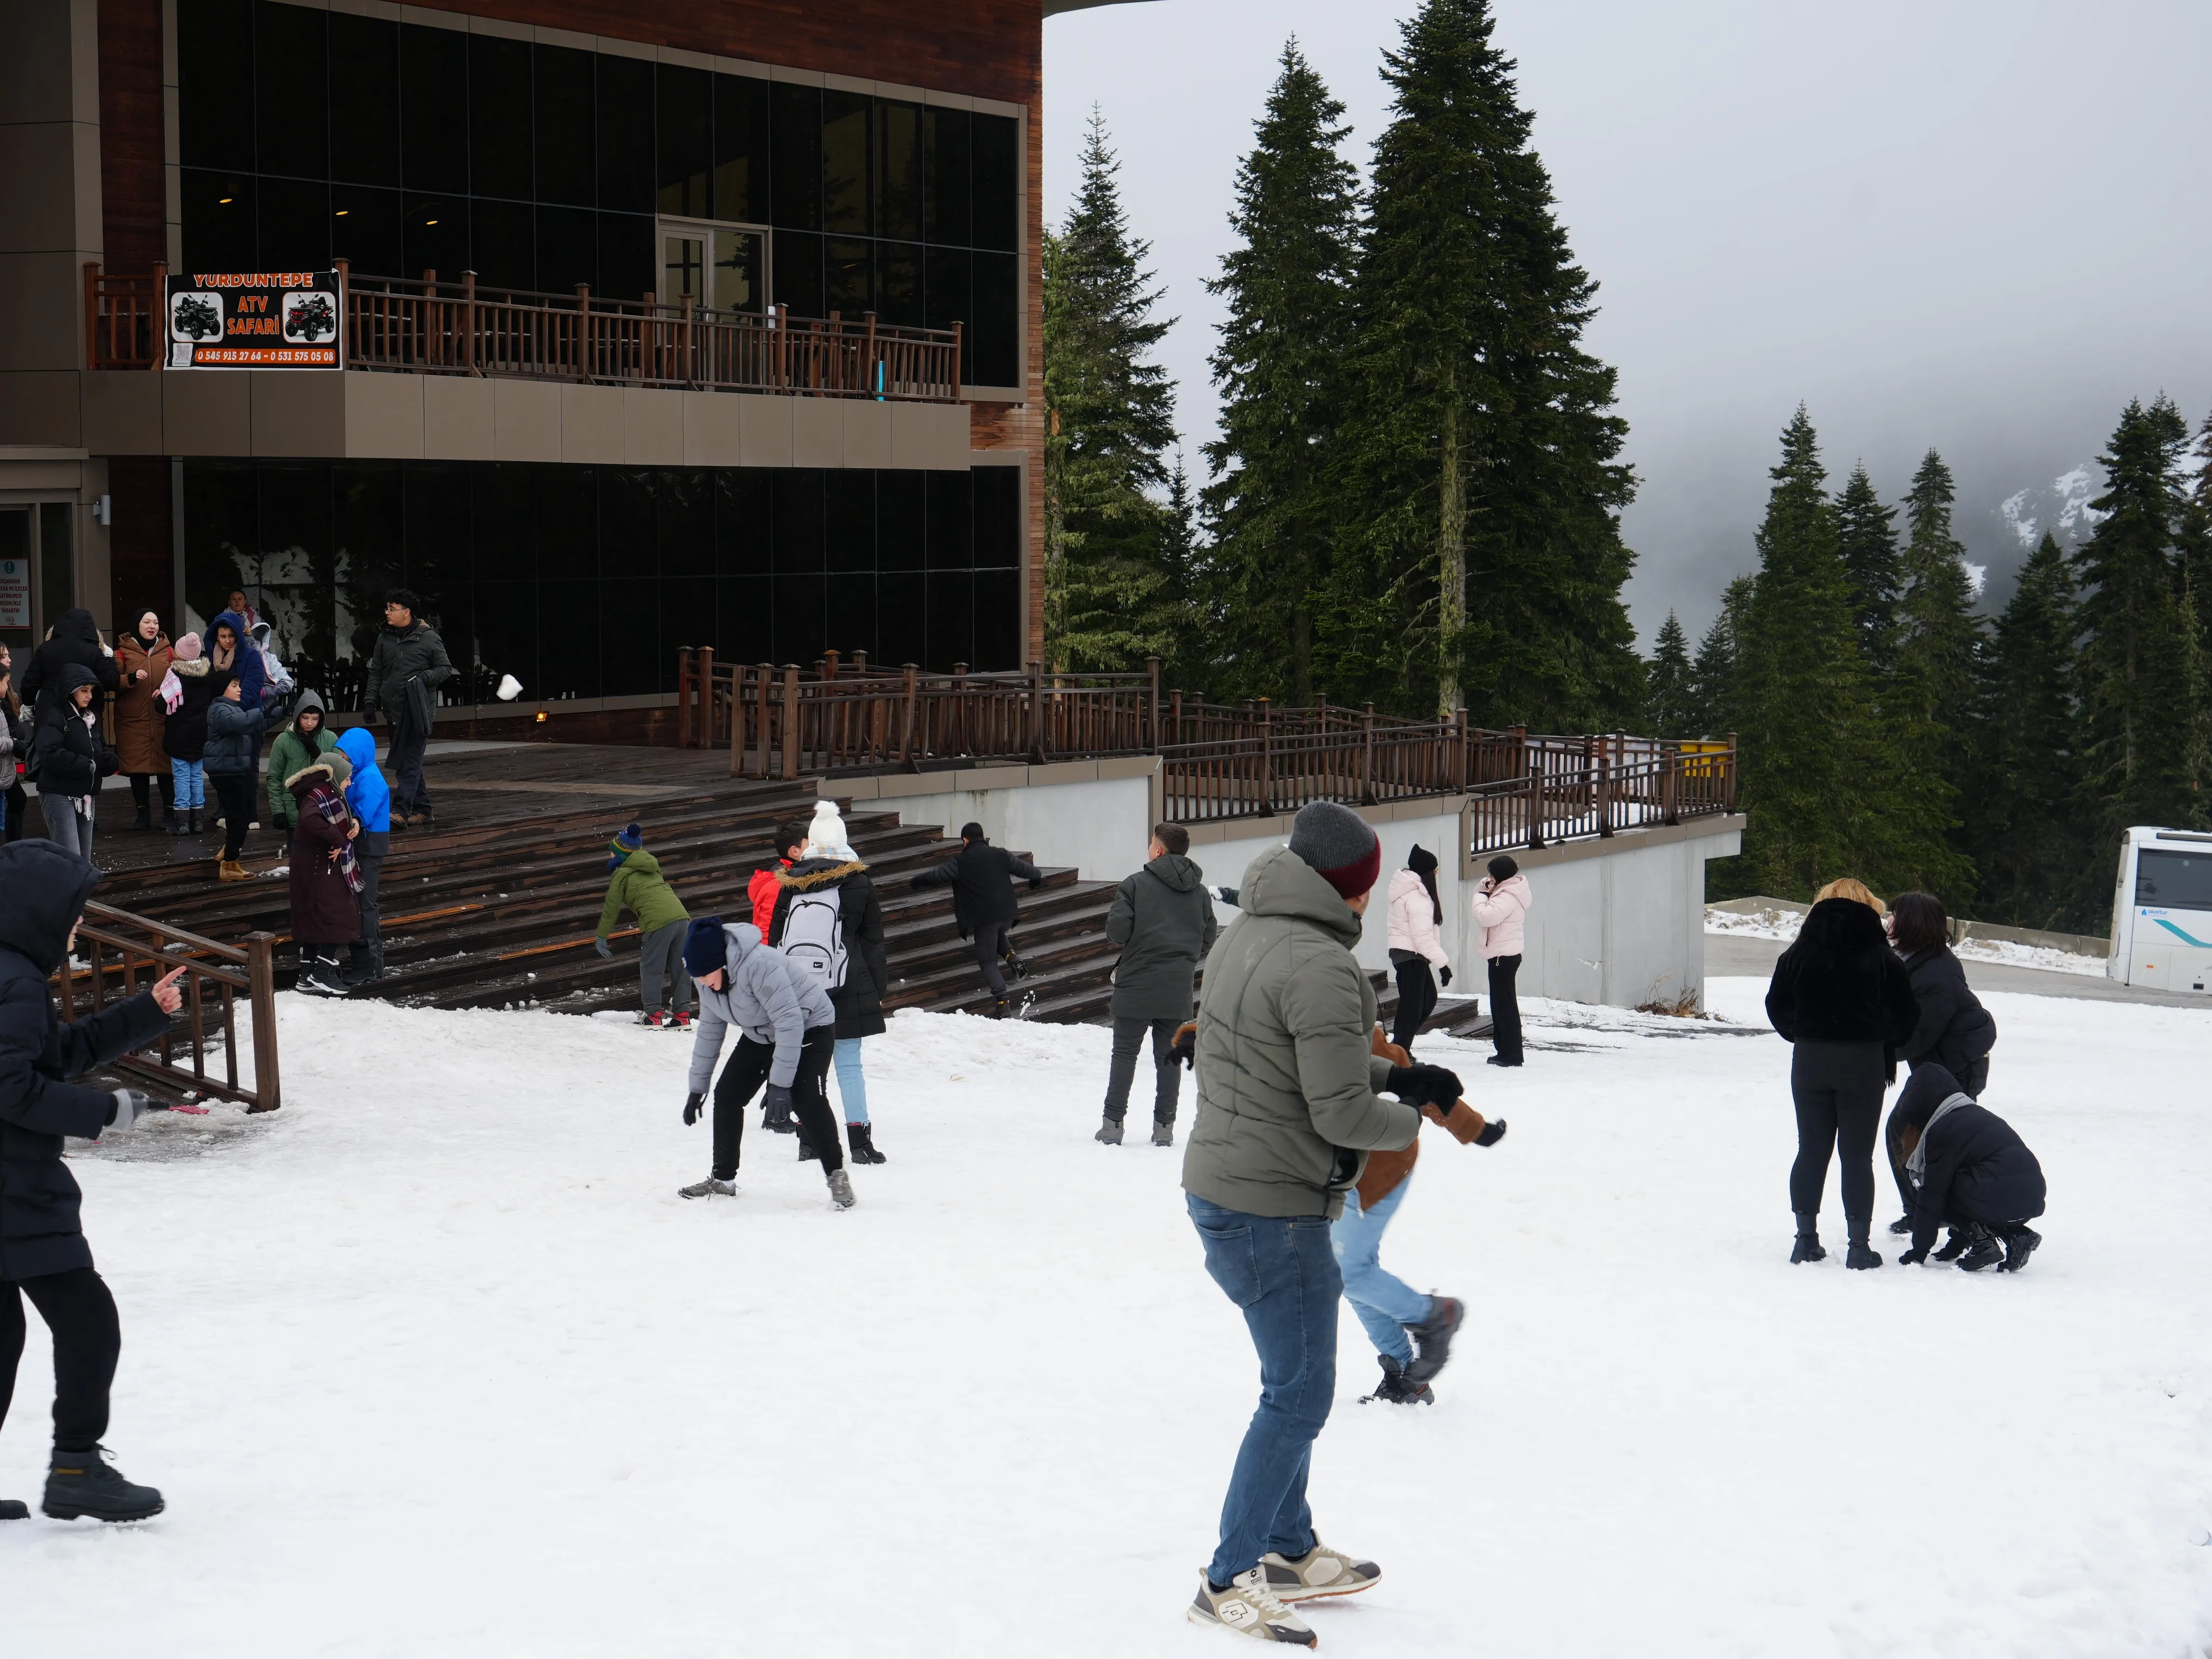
{"x": 790, "y": 839}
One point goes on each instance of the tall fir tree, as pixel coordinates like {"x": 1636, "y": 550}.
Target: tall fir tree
{"x": 1866, "y": 535}
{"x": 1713, "y": 676}
{"x": 1482, "y": 464}
{"x": 1109, "y": 422}
{"x": 2023, "y": 809}
{"x": 1669, "y": 682}
{"x": 1280, "y": 367}
{"x": 2142, "y": 665}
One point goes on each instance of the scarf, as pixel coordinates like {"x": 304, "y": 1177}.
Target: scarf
{"x": 1917, "y": 1165}
{"x": 331, "y": 804}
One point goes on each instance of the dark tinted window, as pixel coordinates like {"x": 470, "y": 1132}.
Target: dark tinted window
{"x": 743, "y": 512}
{"x": 567, "y": 499}
{"x": 849, "y": 513}
{"x": 951, "y": 523}
{"x": 291, "y": 92}
{"x": 997, "y": 180}
{"x": 900, "y": 511}
{"x": 741, "y": 129}
{"x": 566, "y": 127}
{"x": 795, "y": 156}
{"x": 433, "y": 109}
{"x": 687, "y": 528}
{"x": 845, "y": 190}
{"x": 215, "y": 72}
{"x": 625, "y": 111}
{"x": 999, "y": 617}
{"x": 947, "y": 300}
{"x": 899, "y": 283}
{"x": 952, "y": 618}
{"x": 798, "y": 530}
{"x": 850, "y": 619}
{"x": 997, "y": 516}
{"x": 898, "y": 171}
{"x": 567, "y": 249}
{"x": 797, "y": 273}
{"x": 626, "y": 268}
{"x": 846, "y": 274}
{"x": 364, "y": 100}
{"x": 801, "y": 631}
{"x": 995, "y": 357}
{"x": 2177, "y": 881}
{"x": 502, "y": 244}
{"x": 434, "y": 235}
{"x": 902, "y": 620}
{"x": 296, "y": 224}
{"x": 498, "y": 117}
{"x": 946, "y": 141}
{"x": 685, "y": 128}
{"x": 500, "y": 514}
{"x": 220, "y": 232}
{"x": 365, "y": 228}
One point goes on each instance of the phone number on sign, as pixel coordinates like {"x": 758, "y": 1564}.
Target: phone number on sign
{"x": 264, "y": 354}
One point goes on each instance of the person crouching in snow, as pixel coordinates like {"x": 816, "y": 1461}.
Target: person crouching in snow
{"x": 786, "y": 1030}
{"x": 634, "y": 884}
{"x": 1396, "y": 1315}
{"x": 43, "y": 1252}
{"x": 1970, "y": 1170}
{"x": 325, "y": 876}
{"x": 827, "y": 919}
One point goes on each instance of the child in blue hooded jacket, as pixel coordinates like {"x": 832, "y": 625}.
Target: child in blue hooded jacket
{"x": 370, "y": 798}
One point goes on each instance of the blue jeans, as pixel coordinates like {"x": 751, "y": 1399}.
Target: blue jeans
{"x": 852, "y": 1086}
{"x": 1282, "y": 1273}
{"x": 1386, "y": 1304}
{"x": 187, "y": 784}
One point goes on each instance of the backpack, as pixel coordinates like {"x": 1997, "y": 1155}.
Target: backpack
{"x": 814, "y": 935}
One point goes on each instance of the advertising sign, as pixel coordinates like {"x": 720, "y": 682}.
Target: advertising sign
{"x": 259, "y": 319}
{"x": 14, "y": 592}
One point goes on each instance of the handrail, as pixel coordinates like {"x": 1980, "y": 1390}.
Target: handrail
{"x": 214, "y": 973}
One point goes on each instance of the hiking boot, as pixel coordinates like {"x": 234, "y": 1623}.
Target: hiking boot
{"x": 13, "y": 1508}
{"x": 2020, "y": 1243}
{"x": 1248, "y": 1607}
{"x": 1902, "y": 1225}
{"x": 1395, "y": 1390}
{"x": 1807, "y": 1247}
{"x": 1320, "y": 1572}
{"x": 1015, "y": 967}
{"x": 1956, "y": 1246}
{"x": 840, "y": 1190}
{"x": 713, "y": 1187}
{"x": 860, "y": 1138}
{"x": 1110, "y": 1131}
{"x": 999, "y": 1007}
{"x": 1860, "y": 1252}
{"x": 85, "y": 1483}
{"x": 1432, "y": 1338}
{"x": 1985, "y": 1253}
{"x": 1163, "y": 1132}
{"x": 231, "y": 870}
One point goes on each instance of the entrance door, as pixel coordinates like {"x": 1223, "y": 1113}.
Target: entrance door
{"x": 38, "y": 573}
{"x": 718, "y": 267}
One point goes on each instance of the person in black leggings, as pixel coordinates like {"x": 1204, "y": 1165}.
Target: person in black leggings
{"x": 1840, "y": 996}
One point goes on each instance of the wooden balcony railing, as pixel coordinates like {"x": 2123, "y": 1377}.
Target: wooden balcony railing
{"x": 432, "y": 327}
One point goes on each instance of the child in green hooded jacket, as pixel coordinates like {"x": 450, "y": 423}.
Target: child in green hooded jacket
{"x": 637, "y": 885}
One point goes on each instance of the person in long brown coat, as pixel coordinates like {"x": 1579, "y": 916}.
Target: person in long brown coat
{"x": 325, "y": 878}
{"x": 142, "y": 657}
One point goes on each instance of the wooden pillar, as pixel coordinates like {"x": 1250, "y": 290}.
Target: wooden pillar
{"x": 790, "y": 721}
{"x": 261, "y": 970}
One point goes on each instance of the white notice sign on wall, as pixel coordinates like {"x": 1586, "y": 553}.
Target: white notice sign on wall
{"x": 14, "y": 592}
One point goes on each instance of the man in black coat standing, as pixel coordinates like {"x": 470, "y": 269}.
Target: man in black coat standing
{"x": 984, "y": 908}
{"x": 404, "y": 672}
{"x": 43, "y": 1252}
{"x": 75, "y": 640}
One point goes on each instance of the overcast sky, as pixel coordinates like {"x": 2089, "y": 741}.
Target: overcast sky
{"x": 1980, "y": 225}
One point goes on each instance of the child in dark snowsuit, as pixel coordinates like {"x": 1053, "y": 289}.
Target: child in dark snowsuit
{"x": 1970, "y": 1170}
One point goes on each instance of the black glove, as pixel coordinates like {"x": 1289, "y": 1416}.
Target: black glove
{"x": 1035, "y": 882}
{"x": 1912, "y": 1258}
{"x": 778, "y": 1100}
{"x": 1228, "y": 897}
{"x": 603, "y": 949}
{"x": 1492, "y": 1132}
{"x": 110, "y": 763}
{"x": 1445, "y": 974}
{"x": 1185, "y": 1046}
{"x": 693, "y": 1106}
{"x": 1425, "y": 1085}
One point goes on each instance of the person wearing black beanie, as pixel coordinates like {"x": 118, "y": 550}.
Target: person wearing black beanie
{"x": 984, "y": 907}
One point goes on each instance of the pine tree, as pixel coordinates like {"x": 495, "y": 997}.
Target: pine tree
{"x": 1279, "y": 368}
{"x": 2027, "y": 844}
{"x": 1866, "y": 535}
{"x": 1670, "y": 694}
{"x": 1713, "y": 674}
{"x": 1192, "y": 636}
{"x": 1110, "y": 424}
{"x": 2141, "y": 665}
{"x": 1482, "y": 468}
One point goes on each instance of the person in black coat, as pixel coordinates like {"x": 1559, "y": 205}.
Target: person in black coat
{"x": 43, "y": 1252}
{"x": 827, "y": 863}
{"x": 69, "y": 758}
{"x": 983, "y": 904}
{"x": 73, "y": 639}
{"x": 1970, "y": 1171}
{"x": 1840, "y": 996}
{"x": 1953, "y": 1030}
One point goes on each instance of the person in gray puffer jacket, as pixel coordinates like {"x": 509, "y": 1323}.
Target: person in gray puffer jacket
{"x": 787, "y": 1033}
{"x": 1289, "y": 1106}
{"x": 1162, "y": 918}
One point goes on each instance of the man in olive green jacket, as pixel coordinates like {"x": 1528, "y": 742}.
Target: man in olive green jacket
{"x": 637, "y": 885}
{"x": 1289, "y": 1106}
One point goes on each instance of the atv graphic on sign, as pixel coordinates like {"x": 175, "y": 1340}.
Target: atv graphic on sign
{"x": 195, "y": 317}
{"x": 310, "y": 317}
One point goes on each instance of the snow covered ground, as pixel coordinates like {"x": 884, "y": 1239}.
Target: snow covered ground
{"x": 435, "y": 1362}
{"x": 1783, "y": 924}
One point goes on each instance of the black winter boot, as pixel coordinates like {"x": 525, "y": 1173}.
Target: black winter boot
{"x": 195, "y": 827}
{"x": 1985, "y": 1253}
{"x": 860, "y": 1138}
{"x": 1956, "y": 1246}
{"x": 1902, "y": 1225}
{"x": 1860, "y": 1255}
{"x": 1396, "y": 1389}
{"x": 1808, "y": 1248}
{"x": 806, "y": 1153}
{"x": 84, "y": 1483}
{"x": 13, "y": 1508}
{"x": 2020, "y": 1243}
{"x": 1432, "y": 1338}
{"x": 145, "y": 819}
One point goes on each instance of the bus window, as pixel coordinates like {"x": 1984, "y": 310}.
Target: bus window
{"x": 2174, "y": 881}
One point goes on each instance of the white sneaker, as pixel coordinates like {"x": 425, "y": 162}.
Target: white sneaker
{"x": 1249, "y": 1608}
{"x": 1321, "y": 1571}
{"x": 710, "y": 1188}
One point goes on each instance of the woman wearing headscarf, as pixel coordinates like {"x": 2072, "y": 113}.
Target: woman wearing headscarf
{"x": 1417, "y": 949}
{"x": 143, "y": 658}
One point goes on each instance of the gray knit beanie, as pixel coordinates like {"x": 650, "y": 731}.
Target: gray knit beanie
{"x": 1342, "y": 846}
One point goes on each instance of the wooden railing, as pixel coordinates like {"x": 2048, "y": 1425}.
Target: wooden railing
{"x": 123, "y": 954}
{"x": 432, "y": 327}
{"x": 1617, "y": 783}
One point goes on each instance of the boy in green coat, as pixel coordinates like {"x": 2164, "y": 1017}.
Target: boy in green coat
{"x": 308, "y": 739}
{"x": 638, "y": 886}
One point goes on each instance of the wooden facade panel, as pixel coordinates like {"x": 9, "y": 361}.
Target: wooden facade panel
{"x": 134, "y": 198}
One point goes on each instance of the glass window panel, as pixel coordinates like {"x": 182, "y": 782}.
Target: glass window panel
{"x": 795, "y": 268}
{"x": 627, "y": 527}
{"x": 434, "y": 236}
{"x": 899, "y": 514}
{"x": 999, "y": 631}
{"x": 364, "y": 100}
{"x": 951, "y": 620}
{"x": 291, "y": 580}
{"x": 845, "y": 191}
{"x": 291, "y": 83}
{"x": 295, "y": 223}
{"x": 567, "y": 249}
{"x": 684, "y": 139}
{"x": 741, "y": 125}
{"x": 901, "y": 625}
{"x": 795, "y": 157}
{"x": 498, "y": 117}
{"x": 2174, "y": 881}
{"x": 899, "y": 284}
{"x": 504, "y": 626}
{"x": 683, "y": 267}
{"x": 687, "y": 527}
{"x": 687, "y": 618}
{"x": 625, "y": 103}
{"x": 997, "y": 516}
{"x": 994, "y": 338}
{"x": 437, "y": 532}
{"x": 852, "y": 614}
{"x": 745, "y": 619}
{"x": 797, "y": 519}
{"x": 368, "y": 531}
{"x": 566, "y": 137}
{"x": 626, "y": 255}
{"x": 365, "y": 228}
{"x": 15, "y": 550}
{"x": 850, "y": 520}
{"x": 951, "y": 521}
{"x": 846, "y": 262}
{"x": 997, "y": 174}
{"x": 502, "y": 244}
{"x": 433, "y": 109}
{"x": 946, "y": 196}
{"x": 738, "y": 282}
{"x": 57, "y": 562}
{"x": 221, "y": 524}
{"x": 945, "y": 298}
{"x": 801, "y": 629}
{"x": 500, "y": 505}
{"x": 220, "y": 234}
{"x": 214, "y": 92}
{"x": 568, "y": 502}
{"x": 568, "y": 638}
{"x": 629, "y": 637}
{"x": 743, "y": 516}
{"x": 898, "y": 171}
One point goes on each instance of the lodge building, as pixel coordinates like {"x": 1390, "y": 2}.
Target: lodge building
{"x": 659, "y": 325}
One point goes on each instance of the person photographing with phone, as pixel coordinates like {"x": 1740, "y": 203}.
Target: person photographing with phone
{"x": 44, "y": 1257}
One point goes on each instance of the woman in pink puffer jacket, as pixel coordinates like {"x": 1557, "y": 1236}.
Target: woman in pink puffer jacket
{"x": 1416, "y": 947}
{"x": 1500, "y": 908}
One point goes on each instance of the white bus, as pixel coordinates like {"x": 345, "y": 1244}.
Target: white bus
{"x": 2162, "y": 910}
